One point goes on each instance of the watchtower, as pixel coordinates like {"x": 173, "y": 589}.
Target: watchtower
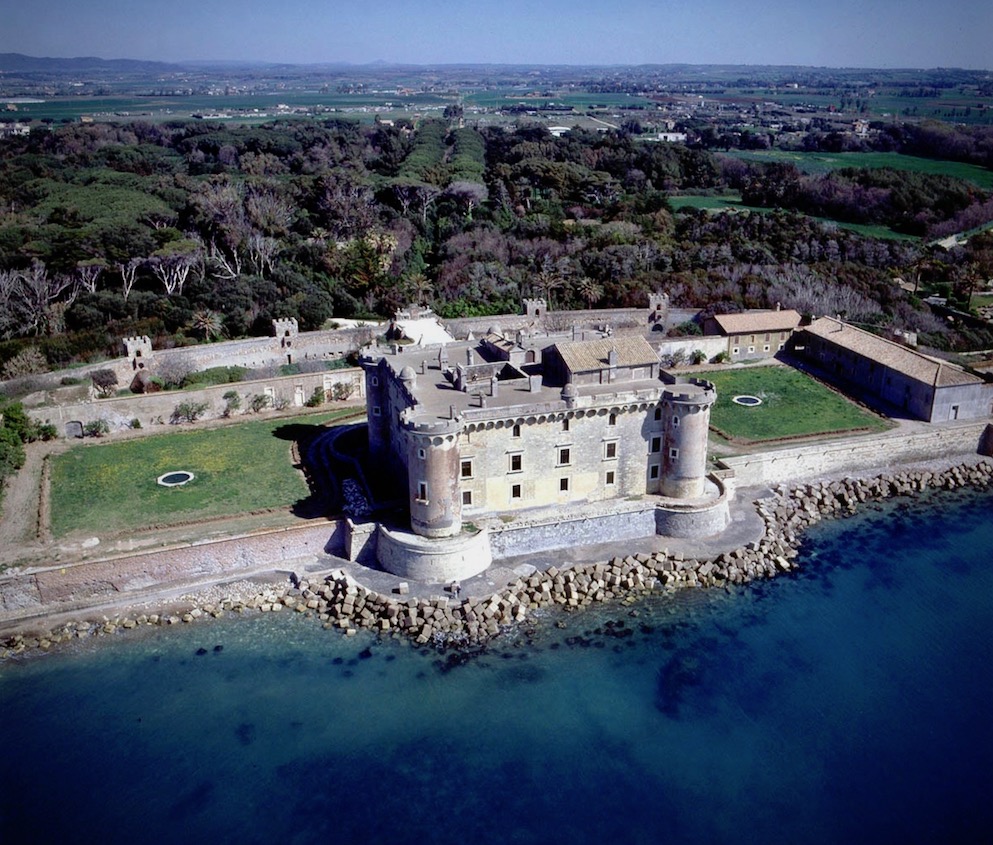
{"x": 433, "y": 465}
{"x": 137, "y": 350}
{"x": 658, "y": 307}
{"x": 686, "y": 420}
{"x": 535, "y": 309}
{"x": 286, "y": 329}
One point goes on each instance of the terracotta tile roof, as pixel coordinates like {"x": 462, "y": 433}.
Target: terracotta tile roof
{"x": 899, "y": 358}
{"x": 757, "y": 321}
{"x": 588, "y": 355}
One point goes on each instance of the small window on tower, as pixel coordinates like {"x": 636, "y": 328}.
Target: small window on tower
{"x": 674, "y": 454}
{"x": 653, "y": 472}
{"x": 422, "y": 491}
{"x": 656, "y": 445}
{"x": 564, "y": 485}
{"x": 515, "y": 491}
{"x": 516, "y": 430}
{"x": 565, "y": 425}
{"x": 609, "y": 479}
{"x": 467, "y": 468}
{"x": 467, "y": 497}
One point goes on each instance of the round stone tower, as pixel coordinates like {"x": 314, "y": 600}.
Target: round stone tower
{"x": 686, "y": 419}
{"x": 433, "y": 464}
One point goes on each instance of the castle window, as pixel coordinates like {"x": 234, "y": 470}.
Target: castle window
{"x": 675, "y": 420}
{"x": 466, "y": 469}
{"x": 374, "y": 381}
{"x": 376, "y": 411}
{"x": 610, "y": 450}
{"x": 516, "y": 430}
{"x": 422, "y": 491}
{"x": 656, "y": 445}
{"x": 564, "y": 456}
{"x": 565, "y": 425}
{"x": 563, "y": 485}
{"x": 674, "y": 453}
{"x": 609, "y": 479}
{"x": 421, "y": 454}
{"x": 658, "y": 414}
{"x": 653, "y": 472}
{"x": 467, "y": 497}
{"x": 765, "y": 348}
{"x": 612, "y": 420}
{"x": 516, "y": 462}
{"x": 735, "y": 350}
{"x": 751, "y": 349}
{"x": 515, "y": 491}
{"x": 768, "y": 337}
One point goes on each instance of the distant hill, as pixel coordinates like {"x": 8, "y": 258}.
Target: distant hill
{"x": 19, "y": 63}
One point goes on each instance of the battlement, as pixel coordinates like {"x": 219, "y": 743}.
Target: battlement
{"x": 535, "y": 309}
{"x": 287, "y": 327}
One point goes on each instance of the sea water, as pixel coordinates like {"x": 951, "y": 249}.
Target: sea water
{"x": 848, "y": 703}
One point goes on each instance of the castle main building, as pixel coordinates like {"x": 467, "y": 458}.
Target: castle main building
{"x": 537, "y": 426}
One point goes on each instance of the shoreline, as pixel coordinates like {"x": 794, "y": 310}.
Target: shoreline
{"x": 338, "y": 600}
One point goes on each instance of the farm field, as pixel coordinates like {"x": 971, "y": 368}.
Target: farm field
{"x": 732, "y": 202}
{"x": 111, "y": 488}
{"x": 815, "y": 163}
{"x": 793, "y": 405}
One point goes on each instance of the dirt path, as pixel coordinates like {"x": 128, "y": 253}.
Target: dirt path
{"x": 19, "y": 539}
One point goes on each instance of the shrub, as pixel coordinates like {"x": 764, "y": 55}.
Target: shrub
{"x": 70, "y": 381}
{"x": 342, "y": 390}
{"x": 720, "y": 358}
{"x": 259, "y": 402}
{"x": 214, "y": 375}
{"x": 232, "y": 402}
{"x": 135, "y": 423}
{"x": 105, "y": 381}
{"x": 27, "y": 362}
{"x": 188, "y": 412}
{"x": 97, "y": 428}
{"x": 697, "y": 357}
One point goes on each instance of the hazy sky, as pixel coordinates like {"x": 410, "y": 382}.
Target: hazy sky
{"x": 837, "y": 33}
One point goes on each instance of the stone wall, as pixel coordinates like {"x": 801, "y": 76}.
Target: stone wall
{"x": 854, "y": 454}
{"x": 152, "y": 409}
{"x": 113, "y": 579}
{"x": 709, "y": 346}
{"x": 433, "y": 560}
{"x": 629, "y": 521}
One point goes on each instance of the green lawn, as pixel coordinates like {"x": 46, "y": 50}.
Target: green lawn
{"x": 824, "y": 162}
{"x": 732, "y": 201}
{"x": 793, "y": 405}
{"x": 110, "y": 488}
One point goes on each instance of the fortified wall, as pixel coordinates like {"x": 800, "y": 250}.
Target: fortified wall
{"x": 855, "y": 454}
{"x": 152, "y": 409}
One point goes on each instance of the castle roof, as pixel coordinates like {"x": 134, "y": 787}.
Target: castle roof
{"x": 757, "y": 321}
{"x": 589, "y": 355}
{"x": 899, "y": 358}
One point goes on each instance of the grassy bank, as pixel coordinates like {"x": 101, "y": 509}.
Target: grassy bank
{"x": 793, "y": 405}
{"x": 111, "y": 488}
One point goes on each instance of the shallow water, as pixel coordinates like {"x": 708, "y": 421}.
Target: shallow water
{"x": 847, "y": 704}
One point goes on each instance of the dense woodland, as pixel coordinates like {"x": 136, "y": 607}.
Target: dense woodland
{"x": 192, "y": 232}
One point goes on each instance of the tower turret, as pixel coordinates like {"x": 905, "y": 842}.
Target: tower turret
{"x": 686, "y": 421}
{"x": 433, "y": 458}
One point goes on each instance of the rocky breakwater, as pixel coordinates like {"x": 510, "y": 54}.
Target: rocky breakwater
{"x": 339, "y": 602}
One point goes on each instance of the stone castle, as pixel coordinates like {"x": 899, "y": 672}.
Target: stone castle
{"x": 529, "y": 425}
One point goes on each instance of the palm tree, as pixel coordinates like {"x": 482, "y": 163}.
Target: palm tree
{"x": 207, "y": 323}
{"x": 589, "y": 290}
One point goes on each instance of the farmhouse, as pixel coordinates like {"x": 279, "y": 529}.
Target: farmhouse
{"x": 925, "y": 388}
{"x": 752, "y": 335}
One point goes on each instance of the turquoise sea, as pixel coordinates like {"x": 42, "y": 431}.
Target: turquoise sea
{"x": 849, "y": 703}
